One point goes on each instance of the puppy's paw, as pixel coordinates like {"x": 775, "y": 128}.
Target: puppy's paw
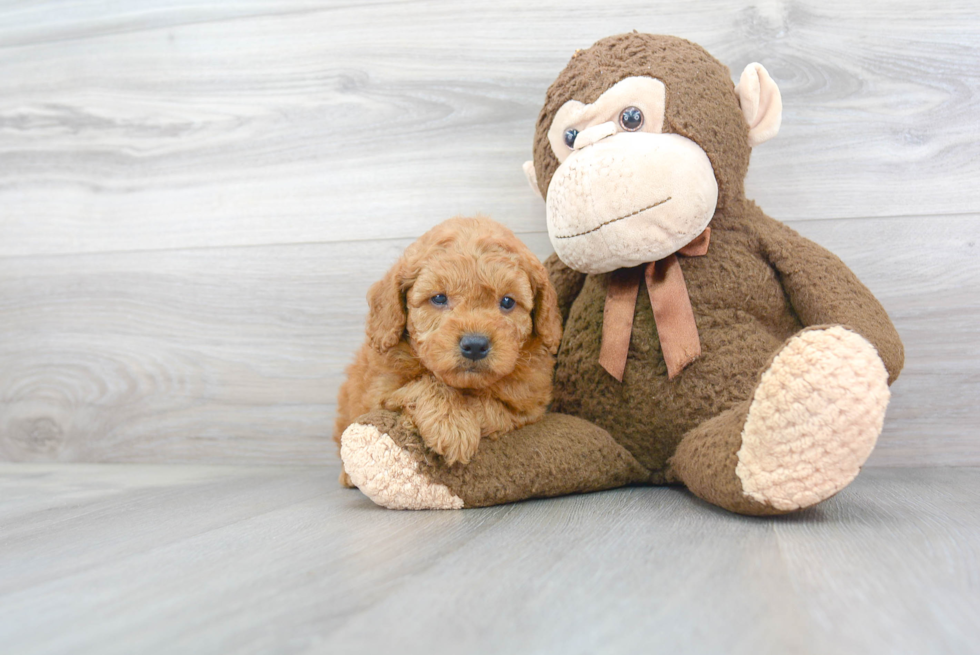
{"x": 455, "y": 438}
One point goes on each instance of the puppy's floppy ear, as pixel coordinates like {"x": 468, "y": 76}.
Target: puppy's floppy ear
{"x": 547, "y": 317}
{"x": 387, "y": 313}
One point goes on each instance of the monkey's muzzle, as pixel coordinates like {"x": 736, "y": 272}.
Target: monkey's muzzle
{"x": 628, "y": 199}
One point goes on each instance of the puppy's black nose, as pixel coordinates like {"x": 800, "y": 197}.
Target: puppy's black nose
{"x": 474, "y": 346}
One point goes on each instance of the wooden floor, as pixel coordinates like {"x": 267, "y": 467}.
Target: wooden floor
{"x": 129, "y": 558}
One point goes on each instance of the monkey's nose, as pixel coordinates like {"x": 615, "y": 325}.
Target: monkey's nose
{"x": 594, "y": 134}
{"x": 474, "y": 346}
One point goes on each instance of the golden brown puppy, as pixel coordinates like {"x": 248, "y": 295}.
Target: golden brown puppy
{"x": 462, "y": 333}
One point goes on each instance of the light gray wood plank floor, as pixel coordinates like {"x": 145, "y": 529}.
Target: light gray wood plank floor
{"x": 205, "y": 559}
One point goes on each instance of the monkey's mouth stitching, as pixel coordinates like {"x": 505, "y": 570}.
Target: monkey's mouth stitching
{"x": 621, "y": 218}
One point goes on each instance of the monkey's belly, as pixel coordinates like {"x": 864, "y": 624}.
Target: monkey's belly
{"x": 647, "y": 413}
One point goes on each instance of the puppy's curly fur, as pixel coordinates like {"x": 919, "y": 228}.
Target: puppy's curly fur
{"x": 412, "y": 361}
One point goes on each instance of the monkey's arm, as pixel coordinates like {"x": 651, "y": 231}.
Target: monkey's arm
{"x": 823, "y": 290}
{"x": 567, "y": 283}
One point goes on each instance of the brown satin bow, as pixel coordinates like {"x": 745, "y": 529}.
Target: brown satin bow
{"x": 672, "y": 311}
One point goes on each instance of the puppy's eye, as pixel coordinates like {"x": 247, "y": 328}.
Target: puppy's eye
{"x": 439, "y": 300}
{"x": 507, "y": 303}
{"x": 570, "y": 137}
{"x": 631, "y": 119}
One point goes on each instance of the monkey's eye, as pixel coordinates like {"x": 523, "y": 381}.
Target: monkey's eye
{"x": 570, "y": 135}
{"x": 439, "y": 300}
{"x": 507, "y": 303}
{"x": 631, "y": 119}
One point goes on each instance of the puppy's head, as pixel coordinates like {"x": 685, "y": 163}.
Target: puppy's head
{"x": 470, "y": 299}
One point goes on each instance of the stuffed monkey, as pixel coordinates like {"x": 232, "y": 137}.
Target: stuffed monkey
{"x": 705, "y": 343}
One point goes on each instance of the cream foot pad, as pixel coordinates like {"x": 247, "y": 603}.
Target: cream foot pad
{"x": 814, "y": 419}
{"x": 388, "y": 475}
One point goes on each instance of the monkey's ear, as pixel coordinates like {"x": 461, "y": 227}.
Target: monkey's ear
{"x": 386, "y": 314}
{"x": 761, "y": 102}
{"x": 532, "y": 178}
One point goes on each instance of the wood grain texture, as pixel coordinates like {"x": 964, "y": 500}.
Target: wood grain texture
{"x": 236, "y": 354}
{"x": 163, "y": 559}
{"x": 194, "y": 198}
{"x": 150, "y": 125}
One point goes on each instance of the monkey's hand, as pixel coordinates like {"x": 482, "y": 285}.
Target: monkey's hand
{"x": 825, "y": 292}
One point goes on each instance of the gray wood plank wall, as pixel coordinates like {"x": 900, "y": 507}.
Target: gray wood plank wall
{"x": 194, "y": 197}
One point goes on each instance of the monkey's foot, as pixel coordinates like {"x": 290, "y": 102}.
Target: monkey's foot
{"x": 385, "y": 457}
{"x": 814, "y": 419}
{"x": 387, "y": 473}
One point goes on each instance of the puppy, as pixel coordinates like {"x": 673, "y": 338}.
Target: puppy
{"x": 462, "y": 334}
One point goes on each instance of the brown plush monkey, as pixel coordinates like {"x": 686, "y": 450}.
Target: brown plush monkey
{"x": 705, "y": 343}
